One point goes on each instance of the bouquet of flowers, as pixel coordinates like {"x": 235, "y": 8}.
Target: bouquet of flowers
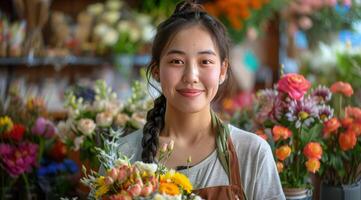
{"x": 24, "y": 134}
{"x": 90, "y": 122}
{"x": 123, "y": 180}
{"x": 291, "y": 121}
{"x": 342, "y": 149}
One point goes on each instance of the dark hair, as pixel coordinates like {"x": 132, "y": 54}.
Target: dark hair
{"x": 186, "y": 13}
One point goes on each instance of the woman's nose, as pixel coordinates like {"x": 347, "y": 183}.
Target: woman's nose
{"x": 191, "y": 73}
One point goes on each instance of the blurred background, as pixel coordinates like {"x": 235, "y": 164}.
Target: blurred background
{"x": 50, "y": 46}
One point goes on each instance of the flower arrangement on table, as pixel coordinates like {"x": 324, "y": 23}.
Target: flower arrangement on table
{"x": 90, "y": 122}
{"x": 292, "y": 115}
{"x": 243, "y": 18}
{"x": 123, "y": 180}
{"x": 24, "y": 135}
{"x": 342, "y": 138}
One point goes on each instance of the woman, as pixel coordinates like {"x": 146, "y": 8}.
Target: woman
{"x": 190, "y": 62}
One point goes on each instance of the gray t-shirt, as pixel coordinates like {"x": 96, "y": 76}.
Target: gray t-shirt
{"x": 257, "y": 168}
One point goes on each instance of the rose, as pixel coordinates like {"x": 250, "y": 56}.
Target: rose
{"x": 121, "y": 119}
{"x": 281, "y": 132}
{"x": 294, "y": 85}
{"x": 313, "y": 150}
{"x": 331, "y": 126}
{"x": 283, "y": 152}
{"x": 104, "y": 119}
{"x": 86, "y": 126}
{"x": 16, "y": 133}
{"x": 279, "y": 166}
{"x": 353, "y": 112}
{"x": 347, "y": 140}
{"x": 342, "y": 87}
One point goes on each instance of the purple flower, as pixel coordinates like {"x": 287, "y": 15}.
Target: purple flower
{"x": 43, "y": 127}
{"x": 304, "y": 111}
{"x": 321, "y": 94}
{"x": 271, "y": 105}
{"x": 325, "y": 112}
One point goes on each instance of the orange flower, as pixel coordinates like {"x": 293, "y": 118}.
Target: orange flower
{"x": 168, "y": 188}
{"x": 281, "y": 132}
{"x": 331, "y": 126}
{"x": 313, "y": 165}
{"x": 313, "y": 150}
{"x": 343, "y": 88}
{"x": 261, "y": 134}
{"x": 283, "y": 152}
{"x": 353, "y": 112}
{"x": 346, "y": 122}
{"x": 347, "y": 141}
{"x": 279, "y": 166}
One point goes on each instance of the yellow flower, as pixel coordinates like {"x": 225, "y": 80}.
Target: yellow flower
{"x": 102, "y": 187}
{"x": 168, "y": 188}
{"x": 177, "y": 178}
{"x": 6, "y": 123}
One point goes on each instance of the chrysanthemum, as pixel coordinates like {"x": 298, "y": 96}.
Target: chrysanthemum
{"x": 303, "y": 112}
{"x": 168, "y": 188}
{"x": 321, "y": 94}
{"x": 271, "y": 105}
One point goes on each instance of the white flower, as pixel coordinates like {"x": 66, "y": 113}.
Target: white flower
{"x": 167, "y": 197}
{"x": 78, "y": 142}
{"x": 111, "y": 17}
{"x": 104, "y": 119}
{"x": 114, "y": 5}
{"x": 113, "y": 107}
{"x": 86, "y": 126}
{"x": 96, "y": 9}
{"x": 110, "y": 37}
{"x": 65, "y": 131}
{"x": 101, "y": 29}
{"x": 148, "y": 33}
{"x": 120, "y": 119}
{"x": 134, "y": 33}
{"x": 139, "y": 119}
{"x": 123, "y": 26}
{"x": 99, "y": 105}
{"x": 146, "y": 167}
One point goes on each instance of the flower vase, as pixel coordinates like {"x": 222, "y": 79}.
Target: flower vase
{"x": 343, "y": 192}
{"x": 297, "y": 193}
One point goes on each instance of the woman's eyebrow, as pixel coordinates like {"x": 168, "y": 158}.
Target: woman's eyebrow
{"x": 175, "y": 51}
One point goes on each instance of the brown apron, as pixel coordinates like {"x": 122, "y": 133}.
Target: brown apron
{"x": 234, "y": 191}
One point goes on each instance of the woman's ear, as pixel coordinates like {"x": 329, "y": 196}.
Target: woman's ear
{"x": 224, "y": 68}
{"x": 155, "y": 73}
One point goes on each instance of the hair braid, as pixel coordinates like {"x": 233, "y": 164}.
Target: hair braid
{"x": 151, "y": 130}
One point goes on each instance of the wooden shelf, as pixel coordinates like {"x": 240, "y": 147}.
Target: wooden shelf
{"x": 68, "y": 60}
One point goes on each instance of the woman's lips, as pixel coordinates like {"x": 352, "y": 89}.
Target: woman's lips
{"x": 190, "y": 92}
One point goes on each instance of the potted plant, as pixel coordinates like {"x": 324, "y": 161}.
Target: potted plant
{"x": 341, "y": 173}
{"x": 290, "y": 118}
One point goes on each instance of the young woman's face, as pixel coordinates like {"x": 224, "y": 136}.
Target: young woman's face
{"x": 190, "y": 70}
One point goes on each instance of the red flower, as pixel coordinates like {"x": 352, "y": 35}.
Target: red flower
{"x": 313, "y": 150}
{"x": 342, "y": 87}
{"x": 58, "y": 151}
{"x": 295, "y": 85}
{"x": 347, "y": 140}
{"x": 353, "y": 112}
{"x": 16, "y": 133}
{"x": 355, "y": 128}
{"x": 261, "y": 134}
{"x": 281, "y": 132}
{"x": 346, "y": 122}
{"x": 331, "y": 126}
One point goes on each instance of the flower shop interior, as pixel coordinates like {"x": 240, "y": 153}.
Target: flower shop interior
{"x": 73, "y": 78}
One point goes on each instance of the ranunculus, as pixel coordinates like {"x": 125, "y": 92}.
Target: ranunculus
{"x": 355, "y": 128}
{"x": 353, "y": 112}
{"x": 342, "y": 87}
{"x": 104, "y": 119}
{"x": 279, "y": 166}
{"x": 313, "y": 165}
{"x": 281, "y": 132}
{"x": 331, "y": 126}
{"x": 121, "y": 119}
{"x": 346, "y": 122}
{"x": 138, "y": 119}
{"x": 295, "y": 85}
{"x": 86, "y": 126}
{"x": 283, "y": 152}
{"x": 347, "y": 140}
{"x": 313, "y": 150}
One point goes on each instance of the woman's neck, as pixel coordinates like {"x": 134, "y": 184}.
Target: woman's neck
{"x": 187, "y": 128}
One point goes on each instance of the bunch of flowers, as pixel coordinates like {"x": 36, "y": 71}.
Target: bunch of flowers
{"x": 243, "y": 17}
{"x": 123, "y": 180}
{"x": 291, "y": 121}
{"x": 24, "y": 134}
{"x": 342, "y": 140}
{"x": 90, "y": 122}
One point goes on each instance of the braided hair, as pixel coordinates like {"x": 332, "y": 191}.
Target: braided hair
{"x": 186, "y": 13}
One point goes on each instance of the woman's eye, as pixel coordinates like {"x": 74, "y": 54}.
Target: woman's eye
{"x": 176, "y": 61}
{"x": 207, "y": 62}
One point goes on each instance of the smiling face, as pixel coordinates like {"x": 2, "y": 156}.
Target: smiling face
{"x": 190, "y": 70}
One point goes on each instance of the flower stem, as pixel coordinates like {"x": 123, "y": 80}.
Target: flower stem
{"x": 26, "y": 185}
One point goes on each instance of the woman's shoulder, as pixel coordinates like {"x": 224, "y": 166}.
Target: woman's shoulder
{"x": 247, "y": 141}
{"x": 131, "y": 145}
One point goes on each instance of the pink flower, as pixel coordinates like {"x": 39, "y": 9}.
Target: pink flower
{"x": 294, "y": 85}
{"x": 134, "y": 190}
{"x": 343, "y": 88}
{"x": 43, "y": 127}
{"x": 146, "y": 190}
